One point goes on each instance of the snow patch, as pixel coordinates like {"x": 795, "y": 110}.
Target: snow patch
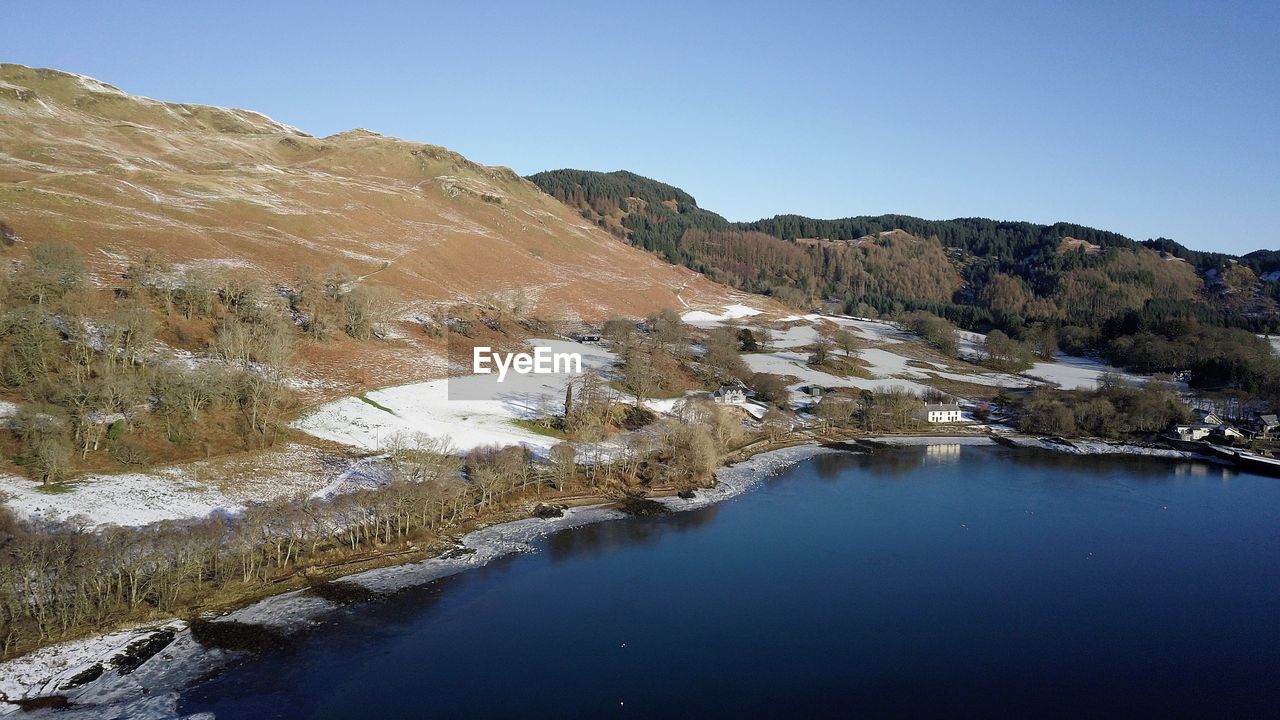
{"x": 1077, "y": 373}
{"x": 730, "y": 312}
{"x": 425, "y": 409}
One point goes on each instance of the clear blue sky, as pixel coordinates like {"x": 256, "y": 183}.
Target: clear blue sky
{"x": 1150, "y": 119}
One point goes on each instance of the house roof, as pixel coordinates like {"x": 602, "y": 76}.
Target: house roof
{"x": 942, "y": 407}
{"x": 1269, "y": 420}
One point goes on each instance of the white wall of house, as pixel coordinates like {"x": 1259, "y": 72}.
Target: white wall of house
{"x": 730, "y": 397}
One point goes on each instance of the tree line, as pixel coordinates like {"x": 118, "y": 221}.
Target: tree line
{"x": 58, "y": 581}
{"x": 1021, "y": 279}
{"x": 98, "y": 380}
{"x": 1113, "y": 410}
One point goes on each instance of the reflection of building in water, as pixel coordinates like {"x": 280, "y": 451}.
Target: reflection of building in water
{"x": 943, "y": 453}
{"x": 1191, "y": 470}
{"x": 1204, "y": 470}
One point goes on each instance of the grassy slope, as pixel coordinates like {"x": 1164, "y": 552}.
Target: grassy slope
{"x": 119, "y": 175}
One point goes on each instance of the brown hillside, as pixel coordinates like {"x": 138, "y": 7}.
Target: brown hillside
{"x": 118, "y": 175}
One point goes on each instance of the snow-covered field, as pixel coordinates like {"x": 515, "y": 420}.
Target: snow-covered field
{"x": 729, "y": 312}
{"x": 971, "y": 344}
{"x": 426, "y": 409}
{"x": 1069, "y": 372}
{"x": 795, "y": 364}
{"x": 889, "y": 370}
{"x": 893, "y": 370}
{"x": 192, "y": 490}
{"x": 1076, "y": 373}
{"x": 122, "y": 499}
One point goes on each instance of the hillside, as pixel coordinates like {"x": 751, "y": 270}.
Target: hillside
{"x": 652, "y": 214}
{"x": 120, "y": 177}
{"x": 1046, "y": 286}
{"x": 667, "y": 220}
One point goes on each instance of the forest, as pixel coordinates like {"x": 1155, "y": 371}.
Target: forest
{"x": 1154, "y": 305}
{"x": 161, "y": 366}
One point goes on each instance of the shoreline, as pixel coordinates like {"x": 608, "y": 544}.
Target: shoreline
{"x": 927, "y": 440}
{"x": 152, "y": 689}
{"x": 1095, "y": 447}
{"x": 1080, "y": 447}
{"x": 61, "y": 672}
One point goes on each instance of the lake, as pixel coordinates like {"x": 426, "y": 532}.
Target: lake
{"x": 946, "y": 582}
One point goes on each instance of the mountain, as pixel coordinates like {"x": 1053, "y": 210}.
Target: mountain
{"x": 121, "y": 177}
{"x": 1087, "y": 289}
{"x": 788, "y": 253}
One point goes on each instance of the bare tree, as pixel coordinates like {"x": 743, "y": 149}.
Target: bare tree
{"x": 195, "y": 294}
{"x": 846, "y": 341}
{"x": 776, "y": 424}
{"x": 366, "y": 311}
{"x": 51, "y": 271}
{"x": 564, "y": 469}
{"x": 45, "y": 434}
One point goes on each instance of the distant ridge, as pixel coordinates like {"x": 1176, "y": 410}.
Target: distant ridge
{"x": 977, "y": 272}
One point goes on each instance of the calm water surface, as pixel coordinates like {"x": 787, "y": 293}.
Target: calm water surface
{"x": 945, "y": 582}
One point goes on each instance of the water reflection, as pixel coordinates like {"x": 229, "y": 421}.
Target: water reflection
{"x": 1146, "y": 468}
{"x": 830, "y": 466}
{"x": 1199, "y": 470}
{"x": 940, "y": 454}
{"x": 893, "y": 462}
{"x": 898, "y": 461}
{"x": 602, "y": 537}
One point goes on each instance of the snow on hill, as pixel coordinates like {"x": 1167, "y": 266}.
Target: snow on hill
{"x": 220, "y": 485}
{"x": 378, "y": 417}
{"x": 367, "y": 423}
{"x": 1076, "y": 373}
{"x": 730, "y": 312}
{"x": 890, "y": 370}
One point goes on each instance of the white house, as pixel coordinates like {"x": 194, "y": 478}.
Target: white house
{"x": 1228, "y": 432}
{"x": 1202, "y": 430}
{"x": 1206, "y": 417}
{"x": 730, "y": 395}
{"x": 1196, "y": 431}
{"x": 940, "y": 413}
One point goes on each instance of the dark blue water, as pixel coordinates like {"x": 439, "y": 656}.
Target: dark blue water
{"x": 968, "y": 582}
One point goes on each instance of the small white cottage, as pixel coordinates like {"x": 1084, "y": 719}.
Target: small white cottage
{"x": 730, "y": 395}
{"x": 940, "y": 413}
